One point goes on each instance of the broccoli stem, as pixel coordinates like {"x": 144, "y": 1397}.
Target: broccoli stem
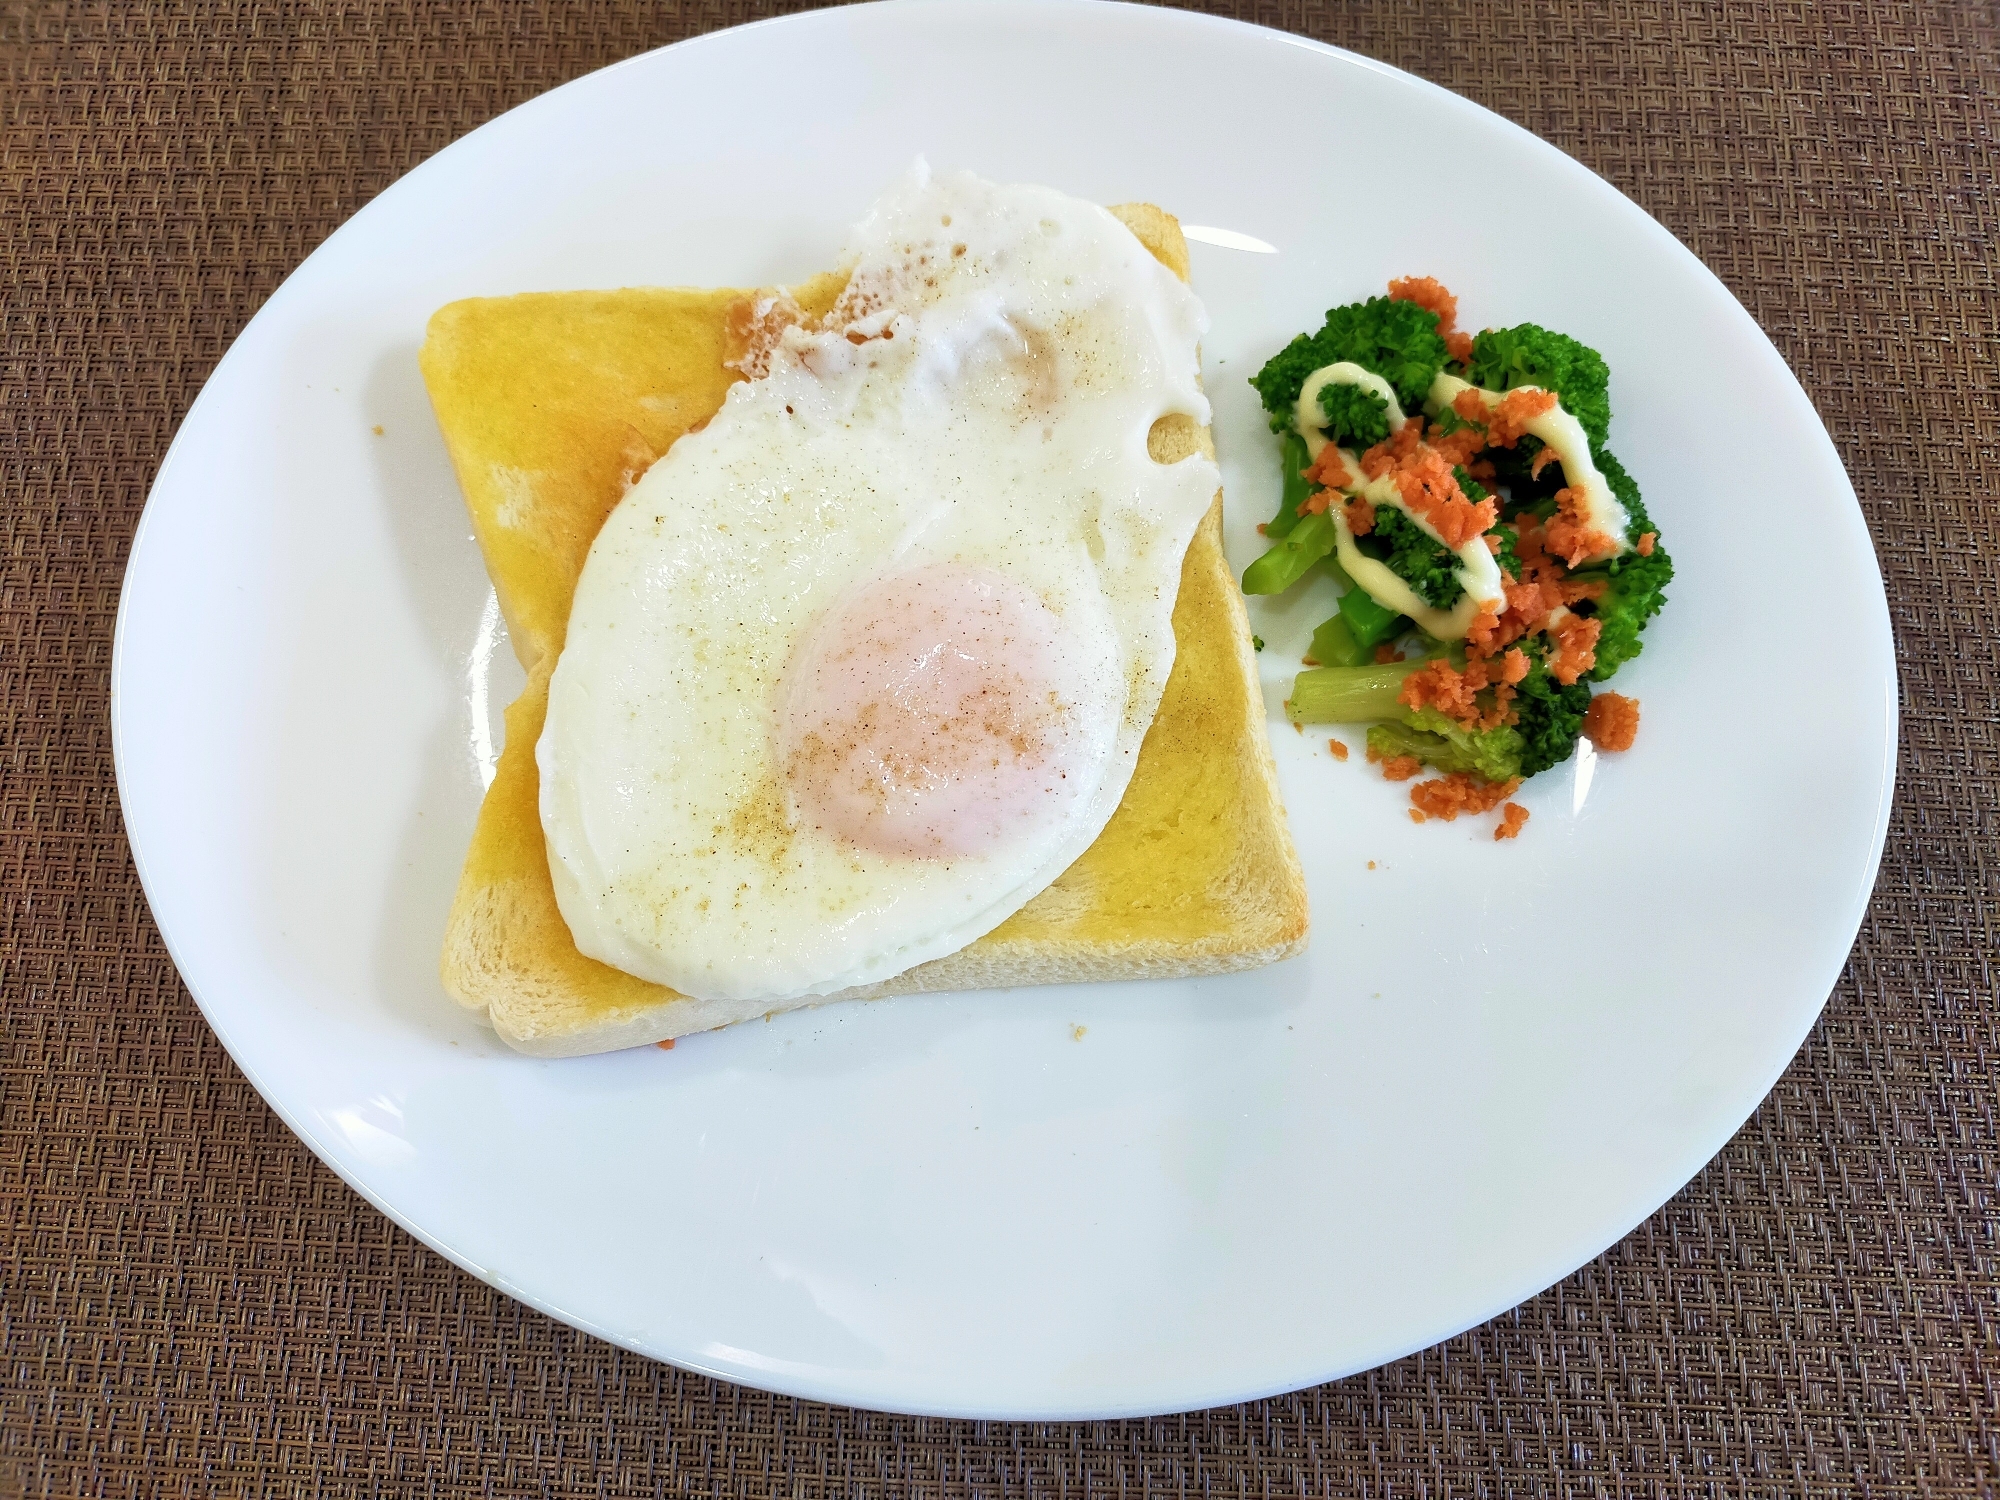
{"x": 1292, "y": 464}
{"x": 1334, "y": 645}
{"x": 1348, "y": 695}
{"x": 1371, "y": 622}
{"x": 1289, "y": 561}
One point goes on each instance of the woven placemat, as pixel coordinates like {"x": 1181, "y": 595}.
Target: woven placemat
{"x": 190, "y": 1304}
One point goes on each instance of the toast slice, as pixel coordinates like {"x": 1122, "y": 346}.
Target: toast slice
{"x": 551, "y": 404}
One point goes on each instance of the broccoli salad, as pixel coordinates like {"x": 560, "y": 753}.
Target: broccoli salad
{"x": 1497, "y": 560}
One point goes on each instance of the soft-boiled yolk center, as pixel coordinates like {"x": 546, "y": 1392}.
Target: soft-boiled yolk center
{"x": 931, "y": 715}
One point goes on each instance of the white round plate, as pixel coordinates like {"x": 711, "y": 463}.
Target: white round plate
{"x": 1495, "y": 1060}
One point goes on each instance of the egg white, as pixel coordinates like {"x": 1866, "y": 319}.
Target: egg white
{"x": 981, "y": 396}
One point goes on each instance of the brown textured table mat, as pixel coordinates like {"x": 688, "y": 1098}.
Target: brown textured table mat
{"x": 191, "y": 1304}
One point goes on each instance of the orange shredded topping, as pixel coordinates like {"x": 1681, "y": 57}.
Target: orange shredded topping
{"x": 1360, "y": 516}
{"x": 1448, "y": 796}
{"x": 1437, "y": 498}
{"x": 1429, "y": 293}
{"x": 1576, "y": 647}
{"x": 1415, "y": 816}
{"x": 1458, "y": 447}
{"x": 1430, "y": 490}
{"x": 1394, "y": 449}
{"x": 1425, "y": 481}
{"x": 1339, "y": 750}
{"x": 1513, "y": 667}
{"x": 1513, "y": 817}
{"x": 1471, "y": 406}
{"x": 1263, "y": 528}
{"x": 1330, "y": 469}
{"x": 1543, "y": 585}
{"x": 1612, "y": 721}
{"x": 1569, "y": 533}
{"x": 1316, "y": 502}
{"x": 1533, "y": 601}
{"x": 1529, "y": 548}
{"x": 1541, "y": 461}
{"x": 1528, "y": 603}
{"x": 1385, "y": 654}
{"x": 1644, "y": 546}
{"x": 1480, "y": 634}
{"x": 1455, "y": 693}
{"x": 1401, "y": 767}
{"x": 1441, "y": 686}
{"x": 1507, "y": 421}
{"x": 666, "y": 1046}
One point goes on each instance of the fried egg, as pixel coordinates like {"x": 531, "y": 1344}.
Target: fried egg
{"x": 856, "y": 670}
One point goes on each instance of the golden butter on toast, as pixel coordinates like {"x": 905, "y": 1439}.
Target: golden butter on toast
{"x": 551, "y": 404}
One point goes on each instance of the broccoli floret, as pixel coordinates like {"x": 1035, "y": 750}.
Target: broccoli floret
{"x": 1354, "y": 418}
{"x": 1506, "y": 554}
{"x": 1420, "y": 560}
{"x": 1396, "y": 340}
{"x": 1445, "y": 421}
{"x": 1503, "y": 358}
{"x": 1549, "y": 716}
{"x": 1626, "y": 488}
{"x": 1415, "y": 556}
{"x": 1635, "y": 586}
{"x": 1526, "y": 490}
{"x": 1447, "y": 745}
{"x": 1635, "y": 589}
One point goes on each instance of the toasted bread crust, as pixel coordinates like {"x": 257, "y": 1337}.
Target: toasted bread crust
{"x": 549, "y": 403}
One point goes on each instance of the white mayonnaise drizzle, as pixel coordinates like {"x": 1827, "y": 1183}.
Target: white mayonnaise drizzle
{"x": 1310, "y": 422}
{"x": 1478, "y": 573}
{"x": 1563, "y": 433}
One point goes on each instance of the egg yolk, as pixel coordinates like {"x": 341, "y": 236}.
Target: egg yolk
{"x": 931, "y": 715}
